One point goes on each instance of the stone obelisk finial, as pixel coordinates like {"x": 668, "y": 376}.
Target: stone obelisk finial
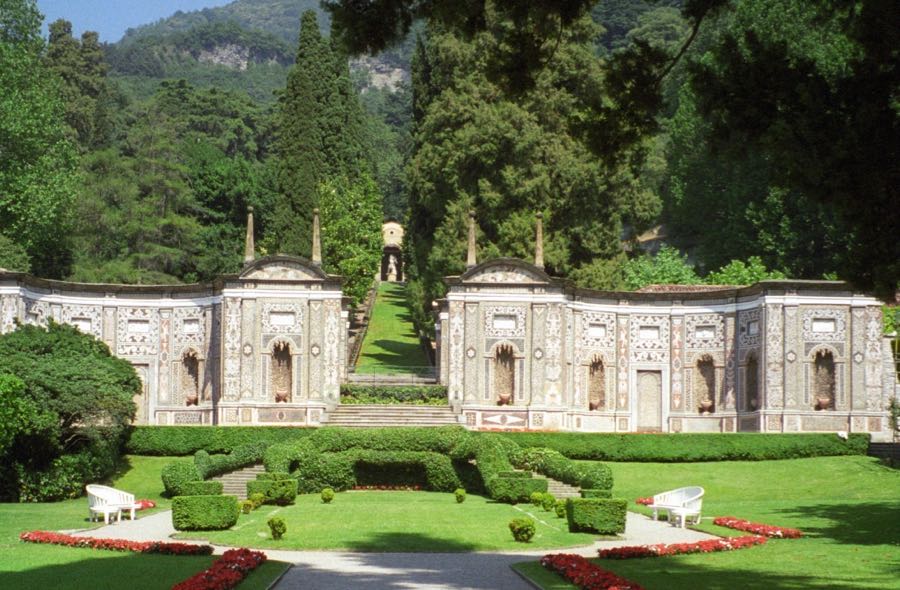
{"x": 317, "y": 241}
{"x": 539, "y": 241}
{"x": 249, "y": 248}
{"x": 470, "y": 253}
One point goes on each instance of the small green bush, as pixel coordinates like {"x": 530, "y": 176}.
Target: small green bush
{"x": 277, "y": 527}
{"x": 560, "y": 508}
{"x": 424, "y": 395}
{"x": 257, "y": 499}
{"x": 460, "y": 495}
{"x": 548, "y": 502}
{"x": 176, "y": 475}
{"x": 273, "y": 475}
{"x": 281, "y": 492}
{"x": 596, "y": 515}
{"x": 201, "y": 488}
{"x": 594, "y": 493}
{"x": 247, "y": 506}
{"x": 204, "y": 513}
{"x": 514, "y": 490}
{"x": 536, "y": 498}
{"x": 327, "y": 495}
{"x": 523, "y": 529}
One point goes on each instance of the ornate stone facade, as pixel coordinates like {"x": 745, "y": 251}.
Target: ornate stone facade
{"x": 734, "y": 359}
{"x": 204, "y": 352}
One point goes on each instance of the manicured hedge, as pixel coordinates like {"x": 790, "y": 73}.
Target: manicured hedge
{"x": 425, "y": 395}
{"x": 201, "y": 488}
{"x": 437, "y": 440}
{"x": 175, "y": 476}
{"x": 513, "y": 490}
{"x": 242, "y": 456}
{"x": 173, "y": 441}
{"x": 204, "y": 513}
{"x": 281, "y": 492}
{"x": 595, "y": 493}
{"x": 692, "y": 447}
{"x": 596, "y": 515}
{"x": 553, "y": 464}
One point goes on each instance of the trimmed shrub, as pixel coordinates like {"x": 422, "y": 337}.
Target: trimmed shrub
{"x": 594, "y": 493}
{"x": 560, "y": 508}
{"x": 685, "y": 447}
{"x": 424, "y": 395}
{"x": 521, "y": 474}
{"x": 273, "y": 475}
{"x": 201, "y": 488}
{"x": 536, "y": 498}
{"x": 247, "y": 506}
{"x": 554, "y": 464}
{"x": 514, "y": 490}
{"x": 522, "y": 529}
{"x": 327, "y": 495}
{"x": 176, "y": 475}
{"x": 204, "y": 513}
{"x": 596, "y": 515}
{"x": 460, "y": 495}
{"x": 281, "y": 492}
{"x": 277, "y": 527}
{"x": 257, "y": 499}
{"x": 548, "y": 502}
{"x": 241, "y": 456}
{"x": 185, "y": 440}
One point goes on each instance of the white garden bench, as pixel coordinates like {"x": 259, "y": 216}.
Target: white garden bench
{"x": 109, "y": 501}
{"x": 680, "y": 505}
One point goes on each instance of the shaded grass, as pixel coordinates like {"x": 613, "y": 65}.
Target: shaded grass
{"x": 848, "y": 508}
{"x": 395, "y": 522}
{"x": 391, "y": 345}
{"x": 29, "y": 565}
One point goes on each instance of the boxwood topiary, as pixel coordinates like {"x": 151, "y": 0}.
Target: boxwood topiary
{"x": 201, "y": 488}
{"x": 596, "y": 515}
{"x": 176, "y": 475}
{"x": 514, "y": 490}
{"x": 522, "y": 529}
{"x": 204, "y": 513}
{"x": 594, "y": 493}
{"x": 281, "y": 492}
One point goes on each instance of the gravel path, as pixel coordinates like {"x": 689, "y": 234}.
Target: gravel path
{"x": 331, "y": 570}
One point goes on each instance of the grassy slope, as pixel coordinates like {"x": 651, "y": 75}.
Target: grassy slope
{"x": 43, "y": 566}
{"x": 396, "y": 521}
{"x": 391, "y": 344}
{"x": 848, "y": 507}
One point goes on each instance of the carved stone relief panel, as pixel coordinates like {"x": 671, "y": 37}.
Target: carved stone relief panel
{"x": 704, "y": 332}
{"x": 250, "y": 374}
{"x": 622, "y": 363}
{"x": 505, "y": 274}
{"x": 649, "y": 339}
{"x": 165, "y": 368}
{"x": 232, "y": 348}
{"x": 504, "y": 321}
{"x": 8, "y": 307}
{"x": 470, "y": 370}
{"x": 730, "y": 391}
{"x": 282, "y": 318}
{"x": 137, "y": 331}
{"x": 109, "y": 327}
{"x": 792, "y": 366}
{"x": 316, "y": 343}
{"x": 36, "y": 312}
{"x": 858, "y": 357}
{"x": 598, "y": 330}
{"x": 873, "y": 359}
{"x": 455, "y": 336}
{"x": 332, "y": 349}
{"x": 189, "y": 328}
{"x": 87, "y": 318}
{"x": 774, "y": 357}
{"x": 749, "y": 328}
{"x": 553, "y": 343}
{"x": 539, "y": 356}
{"x": 676, "y": 399}
{"x": 824, "y": 324}
{"x": 283, "y": 271}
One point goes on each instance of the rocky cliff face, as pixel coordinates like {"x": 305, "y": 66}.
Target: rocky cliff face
{"x": 232, "y": 56}
{"x": 381, "y": 74}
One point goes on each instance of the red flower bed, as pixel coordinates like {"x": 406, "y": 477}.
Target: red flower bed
{"x": 765, "y": 530}
{"x": 116, "y": 544}
{"x": 226, "y": 572}
{"x": 585, "y": 574}
{"x": 388, "y": 488}
{"x": 144, "y": 504}
{"x": 710, "y": 546}
{"x": 644, "y": 501}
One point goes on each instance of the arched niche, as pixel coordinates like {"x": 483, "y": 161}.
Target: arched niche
{"x": 282, "y": 372}
{"x": 705, "y": 384}
{"x": 190, "y": 378}
{"x": 596, "y": 384}
{"x": 824, "y": 380}
{"x": 504, "y": 382}
{"x": 751, "y": 383}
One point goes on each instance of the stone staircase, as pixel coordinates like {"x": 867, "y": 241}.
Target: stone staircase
{"x": 560, "y": 489}
{"x": 235, "y": 482}
{"x": 374, "y": 415}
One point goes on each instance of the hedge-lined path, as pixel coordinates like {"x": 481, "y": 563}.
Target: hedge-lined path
{"x": 391, "y": 345}
{"x": 333, "y": 570}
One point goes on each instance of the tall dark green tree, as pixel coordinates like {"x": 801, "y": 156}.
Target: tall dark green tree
{"x": 38, "y": 172}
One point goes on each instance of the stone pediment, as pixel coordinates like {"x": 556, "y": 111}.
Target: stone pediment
{"x": 283, "y": 268}
{"x": 505, "y": 270}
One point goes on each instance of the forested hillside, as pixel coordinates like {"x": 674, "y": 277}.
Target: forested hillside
{"x": 759, "y": 137}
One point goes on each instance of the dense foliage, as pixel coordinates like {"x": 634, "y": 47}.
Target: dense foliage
{"x": 172, "y": 441}
{"x": 430, "y": 395}
{"x": 596, "y": 515}
{"x": 204, "y": 513}
{"x": 76, "y": 406}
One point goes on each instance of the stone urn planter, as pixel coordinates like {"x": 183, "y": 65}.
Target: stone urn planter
{"x": 504, "y": 399}
{"x": 823, "y": 403}
{"x": 706, "y": 406}
{"x": 191, "y": 400}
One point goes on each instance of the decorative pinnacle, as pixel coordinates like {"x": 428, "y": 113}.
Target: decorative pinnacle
{"x": 470, "y": 254}
{"x": 316, "y": 240}
{"x": 539, "y": 241}
{"x": 249, "y": 247}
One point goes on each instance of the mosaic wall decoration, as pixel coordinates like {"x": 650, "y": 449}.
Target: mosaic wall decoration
{"x": 649, "y": 339}
{"x": 137, "y": 332}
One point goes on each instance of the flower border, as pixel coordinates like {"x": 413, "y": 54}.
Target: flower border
{"x": 226, "y": 572}
{"x": 644, "y": 501}
{"x": 662, "y": 549}
{"x": 773, "y": 532}
{"x": 584, "y": 574}
{"x": 115, "y": 544}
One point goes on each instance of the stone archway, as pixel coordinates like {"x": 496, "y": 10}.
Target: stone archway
{"x": 705, "y": 384}
{"x": 596, "y": 385}
{"x": 824, "y": 382}
{"x": 504, "y": 374}
{"x": 282, "y": 374}
{"x": 190, "y": 378}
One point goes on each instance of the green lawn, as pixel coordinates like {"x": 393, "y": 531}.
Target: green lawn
{"x": 391, "y": 345}
{"x": 27, "y": 565}
{"x": 396, "y": 521}
{"x": 848, "y": 507}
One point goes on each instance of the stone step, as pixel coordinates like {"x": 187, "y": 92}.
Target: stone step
{"x": 235, "y": 482}
{"x": 377, "y": 415}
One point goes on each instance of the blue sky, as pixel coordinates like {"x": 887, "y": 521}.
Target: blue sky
{"x": 110, "y": 18}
